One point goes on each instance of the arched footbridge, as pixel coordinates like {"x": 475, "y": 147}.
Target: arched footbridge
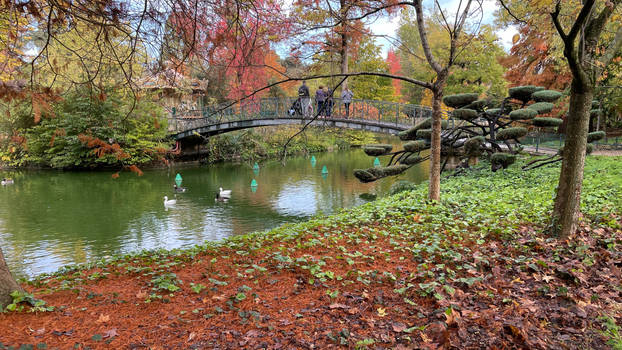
{"x": 375, "y": 116}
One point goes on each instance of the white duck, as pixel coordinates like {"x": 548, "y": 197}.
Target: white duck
{"x": 169, "y": 202}
{"x": 7, "y": 182}
{"x": 224, "y": 193}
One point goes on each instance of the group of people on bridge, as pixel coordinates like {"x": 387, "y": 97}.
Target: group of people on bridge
{"x": 324, "y": 101}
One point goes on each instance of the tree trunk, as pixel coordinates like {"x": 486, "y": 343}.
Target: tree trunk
{"x": 434, "y": 188}
{"x": 343, "y": 52}
{"x": 7, "y": 283}
{"x": 568, "y": 198}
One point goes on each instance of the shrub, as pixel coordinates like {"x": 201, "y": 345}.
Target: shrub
{"x": 424, "y": 134}
{"x": 542, "y": 107}
{"x": 595, "y": 136}
{"x": 412, "y": 159}
{"x": 547, "y": 122}
{"x": 465, "y": 114}
{"x": 502, "y": 160}
{"x": 477, "y": 105}
{"x": 546, "y": 96}
{"x": 415, "y": 146}
{"x": 511, "y": 133}
{"x": 473, "y": 146}
{"x": 523, "y": 114}
{"x": 523, "y": 93}
{"x": 377, "y": 149}
{"x": 595, "y": 113}
{"x": 493, "y": 111}
{"x": 459, "y": 100}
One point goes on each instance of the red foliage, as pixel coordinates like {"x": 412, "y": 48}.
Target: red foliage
{"x": 531, "y": 62}
{"x": 395, "y": 67}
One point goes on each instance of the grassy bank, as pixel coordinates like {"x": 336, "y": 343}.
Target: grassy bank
{"x": 474, "y": 271}
{"x": 261, "y": 143}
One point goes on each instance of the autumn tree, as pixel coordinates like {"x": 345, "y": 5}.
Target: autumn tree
{"x": 588, "y": 47}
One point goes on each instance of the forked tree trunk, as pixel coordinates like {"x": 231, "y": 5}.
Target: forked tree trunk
{"x": 7, "y": 283}
{"x": 343, "y": 50}
{"x": 434, "y": 187}
{"x": 568, "y": 198}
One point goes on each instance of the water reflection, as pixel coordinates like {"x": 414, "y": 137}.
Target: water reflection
{"x": 49, "y": 219}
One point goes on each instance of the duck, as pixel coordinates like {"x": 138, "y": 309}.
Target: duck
{"x": 6, "y": 181}
{"x": 224, "y": 193}
{"x": 220, "y": 199}
{"x": 169, "y": 202}
{"x": 179, "y": 189}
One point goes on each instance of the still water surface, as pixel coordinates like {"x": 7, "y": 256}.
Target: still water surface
{"x": 49, "y": 219}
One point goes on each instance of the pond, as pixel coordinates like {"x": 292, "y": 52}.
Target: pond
{"x": 49, "y": 219}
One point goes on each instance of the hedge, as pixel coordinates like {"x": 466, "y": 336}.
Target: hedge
{"x": 415, "y": 146}
{"x": 595, "y": 136}
{"x": 547, "y": 122}
{"x": 502, "y": 159}
{"x": 542, "y": 107}
{"x": 511, "y": 133}
{"x": 523, "y": 93}
{"x": 546, "y": 96}
{"x": 459, "y": 100}
{"x": 523, "y": 114}
{"x": 465, "y": 114}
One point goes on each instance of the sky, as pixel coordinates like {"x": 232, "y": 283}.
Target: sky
{"x": 386, "y": 26}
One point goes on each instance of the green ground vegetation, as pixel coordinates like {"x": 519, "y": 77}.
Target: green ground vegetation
{"x": 268, "y": 142}
{"x": 481, "y": 253}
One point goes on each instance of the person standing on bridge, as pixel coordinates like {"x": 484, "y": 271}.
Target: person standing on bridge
{"x": 346, "y": 97}
{"x": 328, "y": 103}
{"x": 305, "y": 99}
{"x": 320, "y": 97}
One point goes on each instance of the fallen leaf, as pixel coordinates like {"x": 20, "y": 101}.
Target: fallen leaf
{"x": 338, "y": 306}
{"x": 110, "y": 333}
{"x": 141, "y": 295}
{"x": 382, "y": 312}
{"x": 103, "y": 318}
{"x": 399, "y": 327}
{"x": 547, "y": 279}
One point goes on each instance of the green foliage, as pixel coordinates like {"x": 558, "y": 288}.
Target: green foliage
{"x": 493, "y": 111}
{"x": 424, "y": 134}
{"x": 612, "y": 331}
{"x": 377, "y": 149}
{"x": 595, "y": 136}
{"x": 415, "y": 146}
{"x": 503, "y": 160}
{"x": 465, "y": 114}
{"x": 547, "y": 122}
{"x": 364, "y": 176}
{"x": 411, "y": 134}
{"x": 511, "y": 133}
{"x": 542, "y": 107}
{"x": 369, "y": 59}
{"x": 595, "y": 113}
{"x": 373, "y": 174}
{"x": 523, "y": 93}
{"x": 460, "y": 100}
{"x": 34, "y": 305}
{"x": 401, "y": 186}
{"x": 546, "y": 96}
{"x": 478, "y": 105}
{"x": 523, "y": 114}
{"x": 473, "y": 146}
{"x": 412, "y": 159}
{"x": 57, "y": 140}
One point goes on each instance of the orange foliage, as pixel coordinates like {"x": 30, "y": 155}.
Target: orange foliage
{"x": 135, "y": 169}
{"x": 101, "y": 147}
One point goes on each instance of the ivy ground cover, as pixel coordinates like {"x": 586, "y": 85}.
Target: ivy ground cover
{"x": 474, "y": 271}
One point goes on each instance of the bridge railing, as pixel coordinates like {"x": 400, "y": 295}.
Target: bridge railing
{"x": 270, "y": 108}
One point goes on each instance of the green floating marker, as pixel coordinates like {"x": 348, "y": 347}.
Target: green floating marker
{"x": 254, "y": 183}
{"x": 256, "y": 166}
{"x": 324, "y": 170}
{"x": 376, "y": 162}
{"x": 313, "y": 161}
{"x": 178, "y": 180}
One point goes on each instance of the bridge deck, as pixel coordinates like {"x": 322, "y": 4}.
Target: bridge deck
{"x": 375, "y": 116}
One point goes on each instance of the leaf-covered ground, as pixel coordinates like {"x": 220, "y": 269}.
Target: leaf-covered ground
{"x": 475, "y": 271}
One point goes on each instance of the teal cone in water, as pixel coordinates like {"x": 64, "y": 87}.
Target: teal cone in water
{"x": 178, "y": 180}
{"x": 313, "y": 161}
{"x": 324, "y": 175}
{"x": 324, "y": 170}
{"x": 256, "y": 166}
{"x": 254, "y": 183}
{"x": 376, "y": 162}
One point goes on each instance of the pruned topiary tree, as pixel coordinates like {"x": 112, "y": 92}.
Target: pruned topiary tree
{"x": 478, "y": 127}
